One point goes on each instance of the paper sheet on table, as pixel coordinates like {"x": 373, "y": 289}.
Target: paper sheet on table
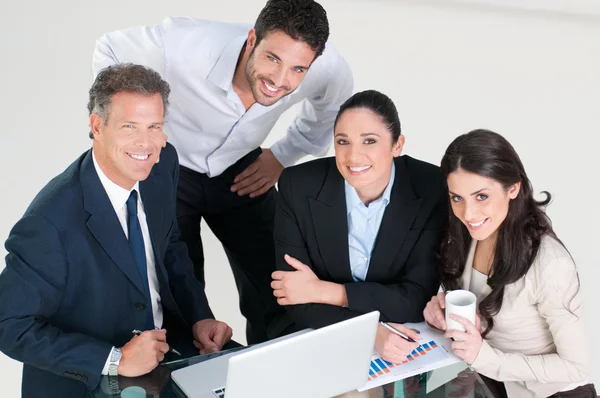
{"x": 435, "y": 352}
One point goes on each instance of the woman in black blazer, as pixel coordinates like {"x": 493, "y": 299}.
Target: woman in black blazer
{"x": 359, "y": 232}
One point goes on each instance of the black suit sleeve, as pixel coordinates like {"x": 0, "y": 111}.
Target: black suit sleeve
{"x": 187, "y": 290}
{"x": 31, "y": 290}
{"x": 289, "y": 240}
{"x": 405, "y": 301}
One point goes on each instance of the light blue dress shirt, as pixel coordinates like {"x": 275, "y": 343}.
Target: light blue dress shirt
{"x": 363, "y": 226}
{"x": 207, "y": 122}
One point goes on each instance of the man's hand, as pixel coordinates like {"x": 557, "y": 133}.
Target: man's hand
{"x": 259, "y": 177}
{"x": 211, "y": 335}
{"x": 143, "y": 353}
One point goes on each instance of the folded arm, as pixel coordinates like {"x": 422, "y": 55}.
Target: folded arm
{"x": 402, "y": 301}
{"x": 289, "y": 240}
{"x": 405, "y": 300}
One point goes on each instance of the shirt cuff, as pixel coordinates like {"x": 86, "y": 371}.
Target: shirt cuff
{"x": 105, "y": 368}
{"x": 286, "y": 153}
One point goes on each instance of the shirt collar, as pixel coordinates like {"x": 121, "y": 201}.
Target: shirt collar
{"x": 116, "y": 194}
{"x": 221, "y": 74}
{"x": 352, "y": 199}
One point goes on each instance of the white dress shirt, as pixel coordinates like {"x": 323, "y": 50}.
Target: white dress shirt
{"x": 118, "y": 198}
{"x": 207, "y": 122}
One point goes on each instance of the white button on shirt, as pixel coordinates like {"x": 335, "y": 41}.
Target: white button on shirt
{"x": 118, "y": 197}
{"x": 207, "y": 122}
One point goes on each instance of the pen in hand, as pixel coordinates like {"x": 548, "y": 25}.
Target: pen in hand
{"x": 171, "y": 349}
{"x": 399, "y": 333}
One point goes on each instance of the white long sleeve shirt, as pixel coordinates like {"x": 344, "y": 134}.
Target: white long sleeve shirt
{"x": 207, "y": 122}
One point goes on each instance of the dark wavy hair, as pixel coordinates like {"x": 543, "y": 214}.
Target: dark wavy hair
{"x": 488, "y": 154}
{"x": 304, "y": 20}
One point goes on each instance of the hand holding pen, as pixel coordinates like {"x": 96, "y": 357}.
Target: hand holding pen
{"x": 399, "y": 333}
{"x": 395, "y": 341}
{"x": 143, "y": 353}
{"x": 171, "y": 349}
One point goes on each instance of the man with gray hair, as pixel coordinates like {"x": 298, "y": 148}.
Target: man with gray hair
{"x": 87, "y": 286}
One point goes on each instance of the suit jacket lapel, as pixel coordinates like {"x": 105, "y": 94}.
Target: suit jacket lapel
{"x": 397, "y": 220}
{"x": 329, "y": 217}
{"x": 157, "y": 219}
{"x": 104, "y": 223}
{"x": 150, "y": 190}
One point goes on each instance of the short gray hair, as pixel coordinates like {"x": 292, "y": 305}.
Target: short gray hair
{"x": 130, "y": 78}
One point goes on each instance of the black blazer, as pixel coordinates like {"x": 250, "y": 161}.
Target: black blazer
{"x": 311, "y": 225}
{"x": 71, "y": 289}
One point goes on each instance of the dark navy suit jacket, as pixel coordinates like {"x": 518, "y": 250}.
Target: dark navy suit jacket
{"x": 71, "y": 289}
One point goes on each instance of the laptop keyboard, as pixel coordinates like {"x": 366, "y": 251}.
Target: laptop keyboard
{"x": 219, "y": 392}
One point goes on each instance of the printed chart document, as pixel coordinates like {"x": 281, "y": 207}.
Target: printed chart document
{"x": 435, "y": 352}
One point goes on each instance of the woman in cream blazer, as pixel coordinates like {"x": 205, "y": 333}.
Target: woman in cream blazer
{"x": 529, "y": 338}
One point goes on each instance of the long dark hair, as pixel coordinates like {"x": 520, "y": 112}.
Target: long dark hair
{"x": 488, "y": 154}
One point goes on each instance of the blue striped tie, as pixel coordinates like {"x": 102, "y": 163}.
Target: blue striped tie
{"x": 136, "y": 243}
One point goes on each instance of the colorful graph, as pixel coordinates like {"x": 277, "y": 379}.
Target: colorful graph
{"x": 380, "y": 367}
{"x": 434, "y": 352}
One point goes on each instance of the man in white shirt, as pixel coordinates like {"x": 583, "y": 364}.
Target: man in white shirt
{"x": 98, "y": 254}
{"x": 230, "y": 84}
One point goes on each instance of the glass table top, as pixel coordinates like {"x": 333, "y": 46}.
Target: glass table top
{"x": 454, "y": 381}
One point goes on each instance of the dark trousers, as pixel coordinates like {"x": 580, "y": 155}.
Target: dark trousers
{"x": 497, "y": 389}
{"x": 586, "y": 391}
{"x": 245, "y": 228}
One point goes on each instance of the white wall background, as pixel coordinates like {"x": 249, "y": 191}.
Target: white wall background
{"x": 450, "y": 66}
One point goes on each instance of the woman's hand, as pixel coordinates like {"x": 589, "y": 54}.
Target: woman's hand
{"x": 392, "y": 347}
{"x": 295, "y": 287}
{"x": 466, "y": 344}
{"x": 434, "y": 311}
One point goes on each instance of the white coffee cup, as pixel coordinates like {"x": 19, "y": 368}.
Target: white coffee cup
{"x": 463, "y": 303}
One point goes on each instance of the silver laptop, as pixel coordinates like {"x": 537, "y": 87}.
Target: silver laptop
{"x": 312, "y": 363}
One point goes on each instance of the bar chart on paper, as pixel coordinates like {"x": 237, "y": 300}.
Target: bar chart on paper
{"x": 427, "y": 353}
{"x": 430, "y": 355}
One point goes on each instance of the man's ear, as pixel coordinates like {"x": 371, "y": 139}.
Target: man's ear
{"x": 96, "y": 125}
{"x": 251, "y": 40}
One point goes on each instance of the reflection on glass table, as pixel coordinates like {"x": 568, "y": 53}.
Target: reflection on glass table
{"x": 455, "y": 381}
